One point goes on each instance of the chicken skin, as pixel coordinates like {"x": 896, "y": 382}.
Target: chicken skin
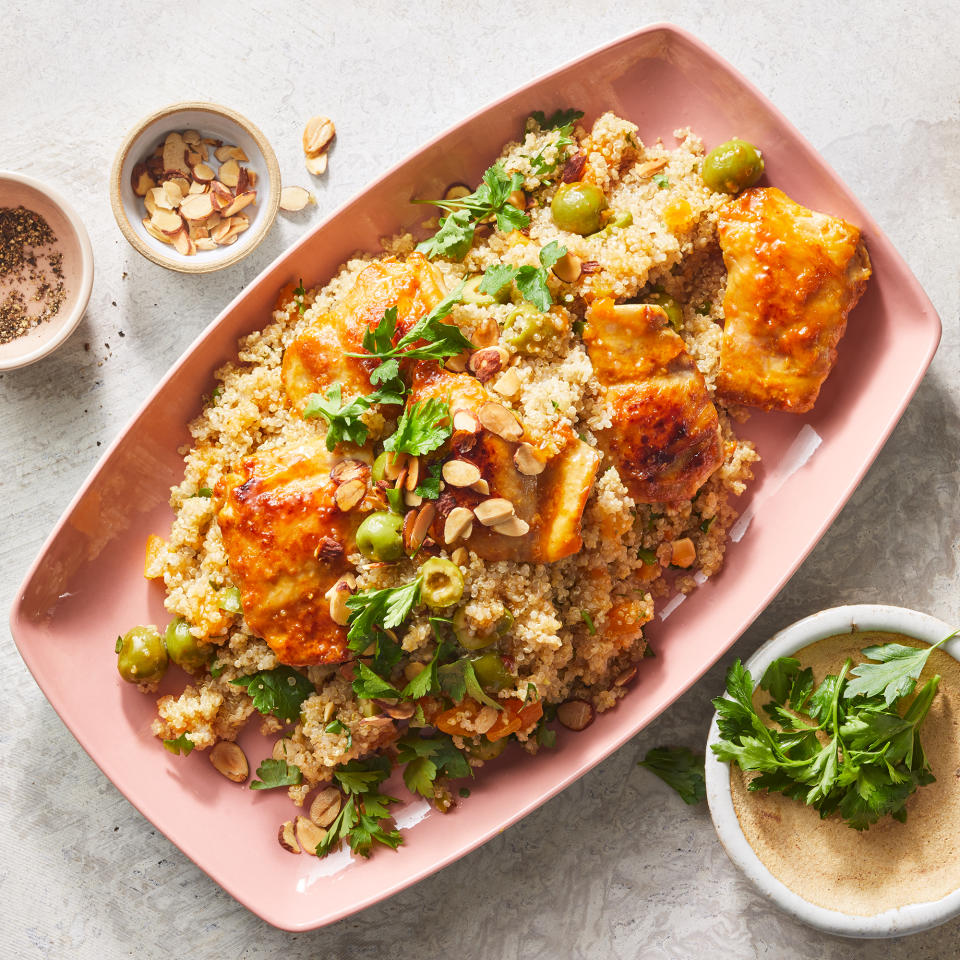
{"x": 793, "y": 277}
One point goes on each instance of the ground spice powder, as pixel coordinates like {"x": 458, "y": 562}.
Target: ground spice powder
{"x": 32, "y": 286}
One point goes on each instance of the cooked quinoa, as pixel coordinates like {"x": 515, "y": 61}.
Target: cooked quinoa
{"x": 576, "y": 625}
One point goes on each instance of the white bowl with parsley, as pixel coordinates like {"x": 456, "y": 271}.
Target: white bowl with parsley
{"x": 854, "y": 828}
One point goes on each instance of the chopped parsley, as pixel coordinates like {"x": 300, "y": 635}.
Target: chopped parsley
{"x": 335, "y": 726}
{"x": 429, "y": 486}
{"x": 557, "y": 120}
{"x": 276, "y": 773}
{"x": 588, "y": 620}
{"x": 345, "y": 420}
{"x": 205, "y": 492}
{"x": 531, "y": 281}
{"x": 647, "y": 556}
{"x": 298, "y": 295}
{"x": 422, "y": 427}
{"x": 459, "y": 679}
{"x": 182, "y": 746}
{"x": 426, "y": 759}
{"x": 661, "y": 180}
{"x": 279, "y": 692}
{"x": 679, "y": 768}
{"x": 372, "y": 611}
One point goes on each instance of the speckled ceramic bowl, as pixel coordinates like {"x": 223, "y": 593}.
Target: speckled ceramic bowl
{"x": 210, "y": 120}
{"x": 890, "y": 923}
{"x": 74, "y": 243}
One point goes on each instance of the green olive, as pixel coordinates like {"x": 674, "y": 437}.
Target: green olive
{"x": 442, "y": 584}
{"x": 379, "y": 537}
{"x": 183, "y": 648}
{"x": 732, "y": 166}
{"x": 141, "y": 655}
{"x": 470, "y": 639}
{"x": 472, "y": 293}
{"x": 577, "y": 207}
{"x": 484, "y": 749}
{"x": 670, "y": 307}
{"x": 492, "y": 672}
{"x": 529, "y": 330}
{"x": 379, "y": 470}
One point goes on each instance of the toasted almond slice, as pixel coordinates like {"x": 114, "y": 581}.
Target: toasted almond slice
{"x": 527, "y": 461}
{"x": 513, "y": 527}
{"x": 174, "y": 153}
{"x": 650, "y": 167}
{"x": 197, "y": 230}
{"x": 192, "y": 157}
{"x": 287, "y": 837}
{"x": 229, "y": 173}
{"x": 161, "y": 199}
{"x": 460, "y": 555}
{"x": 228, "y": 759}
{"x": 395, "y": 465}
{"x": 203, "y": 172}
{"x": 317, "y": 165}
{"x": 150, "y": 200}
{"x": 239, "y": 202}
{"x": 213, "y": 220}
{"x": 309, "y": 835}
{"x": 348, "y": 495}
{"x": 568, "y": 268}
{"x": 169, "y": 221}
{"x": 460, "y": 473}
{"x": 458, "y": 362}
{"x": 222, "y": 195}
{"x": 481, "y": 487}
{"x": 191, "y": 136}
{"x": 238, "y": 154}
{"x": 496, "y": 418}
{"x": 337, "y": 595}
{"x": 140, "y": 180}
{"x": 197, "y": 206}
{"x": 252, "y": 177}
{"x": 224, "y": 152}
{"x": 413, "y": 473}
{"x": 575, "y": 714}
{"x": 154, "y": 232}
{"x": 318, "y": 134}
{"x": 486, "y": 363}
{"x": 465, "y": 421}
{"x": 183, "y": 183}
{"x": 228, "y": 240}
{"x": 329, "y": 708}
{"x": 349, "y": 470}
{"x": 219, "y": 232}
{"x": 398, "y": 711}
{"x": 197, "y": 187}
{"x": 325, "y": 806}
{"x": 492, "y": 511}
{"x": 412, "y": 499}
{"x": 183, "y": 244}
{"x": 294, "y": 199}
{"x": 518, "y": 199}
{"x": 459, "y": 524}
{"x": 416, "y": 532}
{"x": 624, "y": 678}
{"x": 508, "y": 384}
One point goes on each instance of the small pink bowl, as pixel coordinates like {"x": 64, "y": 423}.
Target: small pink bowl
{"x": 16, "y": 190}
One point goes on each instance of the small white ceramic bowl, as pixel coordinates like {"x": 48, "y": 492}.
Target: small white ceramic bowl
{"x": 210, "y": 120}
{"x": 827, "y": 623}
{"x": 74, "y": 244}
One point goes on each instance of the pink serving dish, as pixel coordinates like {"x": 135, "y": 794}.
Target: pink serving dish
{"x": 87, "y": 585}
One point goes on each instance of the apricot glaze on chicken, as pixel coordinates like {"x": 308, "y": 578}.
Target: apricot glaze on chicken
{"x": 794, "y": 275}
{"x": 665, "y": 436}
{"x": 319, "y": 357}
{"x": 287, "y": 543}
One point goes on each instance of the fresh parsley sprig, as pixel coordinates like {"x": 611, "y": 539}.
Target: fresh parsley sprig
{"x": 422, "y": 427}
{"x": 558, "y": 120}
{"x": 563, "y": 121}
{"x": 276, "y": 773}
{"x": 530, "y": 281}
{"x": 489, "y": 201}
{"x": 679, "y": 768}
{"x": 345, "y": 420}
{"x": 842, "y": 747}
{"x": 426, "y": 759}
{"x": 373, "y": 611}
{"x": 280, "y": 691}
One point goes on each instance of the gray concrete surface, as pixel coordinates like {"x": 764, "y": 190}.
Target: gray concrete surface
{"x": 616, "y": 867}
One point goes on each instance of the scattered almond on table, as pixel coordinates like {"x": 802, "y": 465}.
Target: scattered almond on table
{"x": 294, "y": 199}
{"x": 189, "y": 204}
{"x": 318, "y": 134}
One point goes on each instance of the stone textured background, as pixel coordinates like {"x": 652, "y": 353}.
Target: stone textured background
{"x": 617, "y": 866}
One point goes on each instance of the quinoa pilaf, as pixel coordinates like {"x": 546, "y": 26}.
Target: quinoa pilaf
{"x": 410, "y": 556}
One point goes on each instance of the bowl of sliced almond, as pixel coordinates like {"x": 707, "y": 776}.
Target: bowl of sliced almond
{"x": 195, "y": 187}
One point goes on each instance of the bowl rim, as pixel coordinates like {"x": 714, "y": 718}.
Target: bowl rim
{"x": 268, "y": 210}
{"x": 73, "y": 319}
{"x": 897, "y": 921}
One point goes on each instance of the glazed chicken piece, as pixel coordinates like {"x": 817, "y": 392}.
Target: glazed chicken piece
{"x": 665, "y": 436}
{"x": 551, "y": 502}
{"x": 317, "y": 359}
{"x": 793, "y": 277}
{"x": 287, "y": 542}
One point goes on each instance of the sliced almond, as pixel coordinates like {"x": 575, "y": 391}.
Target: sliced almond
{"x": 325, "y": 806}
{"x": 486, "y": 363}
{"x": 568, "y": 268}
{"x": 349, "y": 470}
{"x": 575, "y": 714}
{"x": 415, "y": 532}
{"x": 197, "y": 187}
{"x": 396, "y": 462}
{"x": 396, "y": 710}
{"x": 192, "y": 137}
{"x": 460, "y": 555}
{"x": 183, "y": 244}
{"x": 288, "y": 837}
{"x": 508, "y": 384}
{"x": 150, "y": 200}
{"x": 174, "y": 153}
{"x": 412, "y": 499}
{"x": 458, "y": 362}
{"x": 650, "y": 167}
{"x": 481, "y": 487}
{"x": 309, "y": 835}
{"x": 527, "y": 461}
{"x": 219, "y": 232}
{"x": 348, "y": 495}
{"x": 458, "y": 525}
{"x": 238, "y": 154}
{"x": 294, "y": 199}
{"x": 229, "y": 173}
{"x": 512, "y": 527}
{"x": 222, "y": 196}
{"x": 192, "y": 157}
{"x": 197, "y": 230}
{"x": 224, "y": 152}
{"x": 252, "y": 177}
{"x": 203, "y": 172}
{"x": 317, "y": 166}
{"x": 161, "y": 198}
{"x": 232, "y": 238}
{"x": 460, "y": 473}
{"x": 496, "y": 418}
{"x": 465, "y": 421}
{"x": 624, "y": 678}
{"x": 183, "y": 183}
{"x": 413, "y": 670}
{"x": 154, "y": 232}
{"x": 337, "y": 595}
{"x": 228, "y": 759}
{"x": 239, "y": 202}
{"x": 197, "y": 206}
{"x": 169, "y": 221}
{"x": 318, "y": 134}
{"x": 413, "y": 473}
{"x": 140, "y": 180}
{"x": 492, "y": 511}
